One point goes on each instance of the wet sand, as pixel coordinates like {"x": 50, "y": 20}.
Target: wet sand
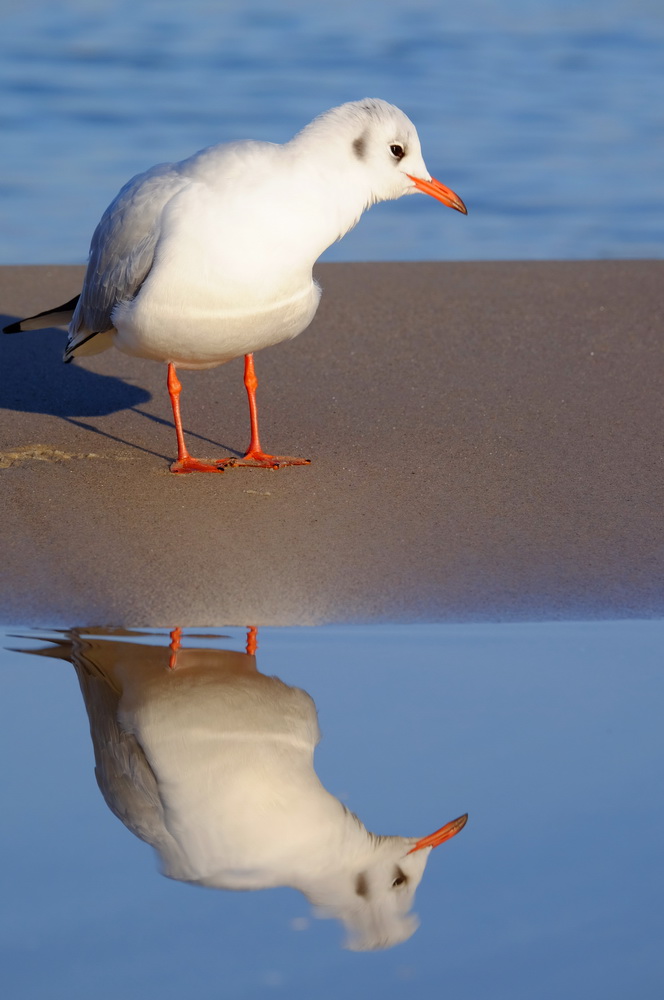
{"x": 486, "y": 443}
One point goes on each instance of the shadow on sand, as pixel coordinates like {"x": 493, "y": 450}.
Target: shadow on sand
{"x": 35, "y": 380}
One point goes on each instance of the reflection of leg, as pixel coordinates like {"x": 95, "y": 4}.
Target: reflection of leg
{"x": 175, "y": 643}
{"x": 255, "y": 456}
{"x": 185, "y": 463}
{"x": 252, "y": 640}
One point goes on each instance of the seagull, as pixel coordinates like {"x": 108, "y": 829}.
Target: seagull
{"x": 211, "y": 762}
{"x": 199, "y": 262}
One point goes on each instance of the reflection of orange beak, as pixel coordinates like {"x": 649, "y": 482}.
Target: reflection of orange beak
{"x": 440, "y": 192}
{"x": 440, "y": 836}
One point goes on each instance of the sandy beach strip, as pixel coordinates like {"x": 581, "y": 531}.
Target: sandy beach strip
{"x": 486, "y": 442}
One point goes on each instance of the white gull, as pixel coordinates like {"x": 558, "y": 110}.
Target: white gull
{"x": 199, "y": 262}
{"x": 212, "y": 763}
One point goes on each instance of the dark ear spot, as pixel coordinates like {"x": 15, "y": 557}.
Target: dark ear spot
{"x": 361, "y": 885}
{"x": 360, "y": 147}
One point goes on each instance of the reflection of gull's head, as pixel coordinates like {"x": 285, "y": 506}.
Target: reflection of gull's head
{"x": 212, "y": 763}
{"x": 375, "y": 888}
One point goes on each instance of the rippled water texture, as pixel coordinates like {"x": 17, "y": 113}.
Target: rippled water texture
{"x": 545, "y": 115}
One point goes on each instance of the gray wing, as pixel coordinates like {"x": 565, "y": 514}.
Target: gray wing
{"x": 122, "y": 250}
{"x": 123, "y": 772}
{"x": 122, "y": 769}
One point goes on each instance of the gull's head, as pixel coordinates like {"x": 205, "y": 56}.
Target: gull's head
{"x": 377, "y": 144}
{"x": 374, "y": 895}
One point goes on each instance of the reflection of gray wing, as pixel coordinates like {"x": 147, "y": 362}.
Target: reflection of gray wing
{"x": 122, "y": 249}
{"x": 123, "y": 773}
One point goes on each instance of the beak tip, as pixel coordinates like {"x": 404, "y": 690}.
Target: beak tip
{"x": 438, "y": 191}
{"x": 440, "y": 836}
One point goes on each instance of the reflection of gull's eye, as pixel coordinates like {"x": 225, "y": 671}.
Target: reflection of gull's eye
{"x": 399, "y": 880}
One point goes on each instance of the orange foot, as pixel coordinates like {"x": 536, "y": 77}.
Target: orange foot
{"x": 190, "y": 464}
{"x": 261, "y": 460}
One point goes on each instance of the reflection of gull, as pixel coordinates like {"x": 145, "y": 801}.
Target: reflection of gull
{"x": 199, "y": 262}
{"x": 211, "y": 762}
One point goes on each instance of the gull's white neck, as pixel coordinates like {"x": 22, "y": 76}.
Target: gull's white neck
{"x": 261, "y": 818}
{"x": 331, "y": 189}
{"x": 284, "y": 206}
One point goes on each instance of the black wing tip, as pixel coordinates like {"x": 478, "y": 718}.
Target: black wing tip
{"x": 70, "y": 350}
{"x": 65, "y": 307}
{"x": 72, "y": 303}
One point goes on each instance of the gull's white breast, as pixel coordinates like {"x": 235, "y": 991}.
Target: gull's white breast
{"x": 233, "y": 264}
{"x": 233, "y": 763}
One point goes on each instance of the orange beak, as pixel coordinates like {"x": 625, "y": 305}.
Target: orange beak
{"x": 439, "y": 192}
{"x": 440, "y": 836}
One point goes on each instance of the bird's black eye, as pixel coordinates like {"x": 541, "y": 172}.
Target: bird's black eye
{"x": 399, "y": 877}
{"x": 397, "y": 151}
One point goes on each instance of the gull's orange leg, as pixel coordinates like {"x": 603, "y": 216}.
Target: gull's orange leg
{"x": 185, "y": 462}
{"x": 174, "y": 645}
{"x": 255, "y": 456}
{"x": 252, "y": 640}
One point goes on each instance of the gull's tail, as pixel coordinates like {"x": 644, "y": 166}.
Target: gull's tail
{"x": 60, "y": 316}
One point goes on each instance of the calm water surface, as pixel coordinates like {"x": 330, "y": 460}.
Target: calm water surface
{"x": 546, "y": 116}
{"x": 548, "y": 735}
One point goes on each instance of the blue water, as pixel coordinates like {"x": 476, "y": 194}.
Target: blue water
{"x": 548, "y": 735}
{"x": 546, "y": 116}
